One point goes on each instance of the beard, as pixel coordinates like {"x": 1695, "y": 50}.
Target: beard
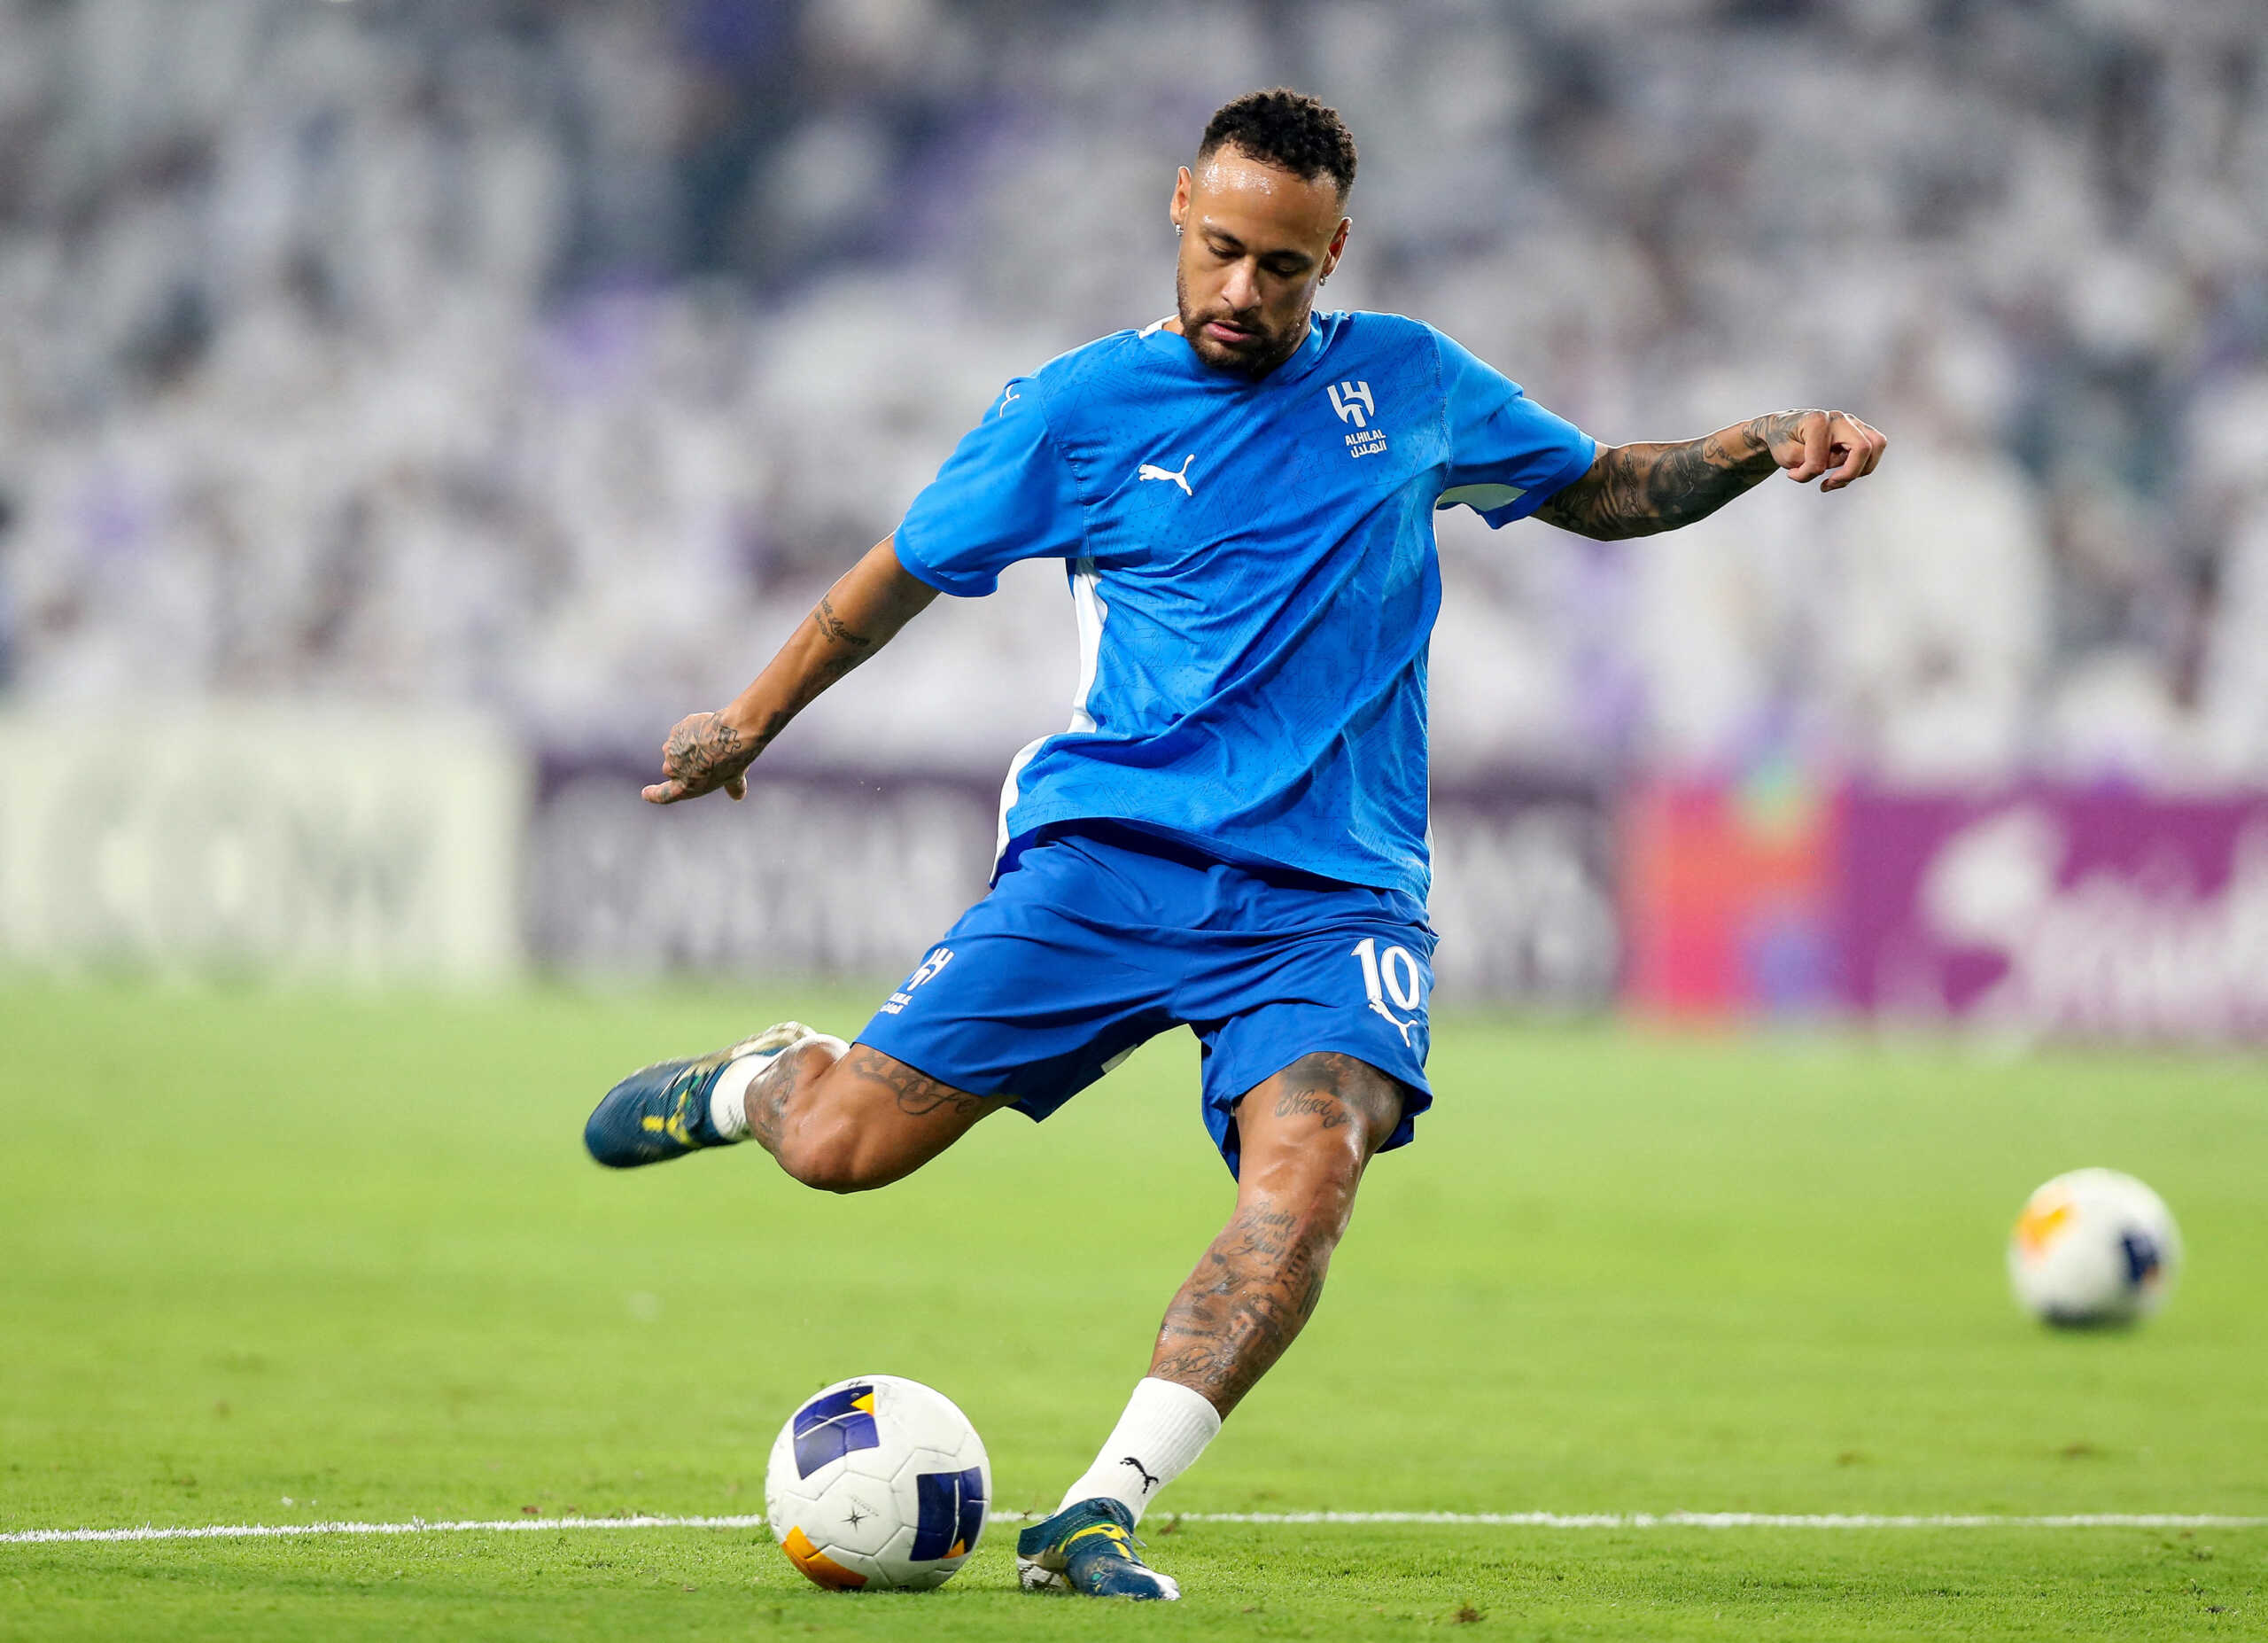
{"x": 1258, "y": 354}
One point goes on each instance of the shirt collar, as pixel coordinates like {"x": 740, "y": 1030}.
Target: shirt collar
{"x": 1304, "y": 358}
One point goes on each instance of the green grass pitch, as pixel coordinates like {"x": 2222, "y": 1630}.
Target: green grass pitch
{"x": 275, "y": 1258}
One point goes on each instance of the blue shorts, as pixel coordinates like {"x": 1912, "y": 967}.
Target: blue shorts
{"x": 1100, "y": 936}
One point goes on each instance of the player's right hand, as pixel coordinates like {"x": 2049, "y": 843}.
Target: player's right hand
{"x": 704, "y": 754}
{"x": 1831, "y": 446}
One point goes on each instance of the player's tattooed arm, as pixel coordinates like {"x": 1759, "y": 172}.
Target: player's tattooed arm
{"x": 857, "y": 617}
{"x": 856, "y": 646}
{"x": 1638, "y": 490}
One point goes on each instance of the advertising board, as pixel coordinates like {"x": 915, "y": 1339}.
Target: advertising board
{"x": 2033, "y": 910}
{"x": 853, "y": 875}
{"x": 2043, "y": 910}
{"x": 263, "y": 841}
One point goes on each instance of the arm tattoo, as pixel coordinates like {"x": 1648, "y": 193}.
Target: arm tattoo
{"x": 852, "y": 647}
{"x": 835, "y": 628}
{"x": 1638, "y": 490}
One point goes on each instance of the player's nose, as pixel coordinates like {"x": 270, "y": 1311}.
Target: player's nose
{"x": 1241, "y": 291}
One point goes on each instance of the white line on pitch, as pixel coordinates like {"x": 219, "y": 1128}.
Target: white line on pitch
{"x": 1744, "y": 1520}
{"x": 1502, "y": 1520}
{"x": 416, "y": 1526}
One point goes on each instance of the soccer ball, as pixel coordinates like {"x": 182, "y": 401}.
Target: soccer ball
{"x": 2094, "y": 1247}
{"x": 878, "y": 1481}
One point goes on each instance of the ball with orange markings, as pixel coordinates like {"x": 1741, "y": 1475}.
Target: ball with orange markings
{"x": 2093, "y": 1247}
{"x": 878, "y": 1482}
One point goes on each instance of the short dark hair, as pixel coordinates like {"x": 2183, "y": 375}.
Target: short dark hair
{"x": 1287, "y": 128}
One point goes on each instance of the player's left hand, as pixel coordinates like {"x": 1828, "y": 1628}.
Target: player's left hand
{"x": 1809, "y": 443}
{"x": 705, "y": 751}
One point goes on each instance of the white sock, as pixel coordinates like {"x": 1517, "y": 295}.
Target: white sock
{"x": 1165, "y": 1427}
{"x": 728, "y": 1096}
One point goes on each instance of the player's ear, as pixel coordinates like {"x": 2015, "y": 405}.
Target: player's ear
{"x": 1179, "y": 210}
{"x": 1338, "y": 247}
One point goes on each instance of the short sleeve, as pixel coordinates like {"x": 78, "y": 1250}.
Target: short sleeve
{"x": 1005, "y": 494}
{"x": 1508, "y": 455}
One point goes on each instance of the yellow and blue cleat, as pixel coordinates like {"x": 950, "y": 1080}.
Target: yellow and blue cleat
{"x": 662, "y": 1111}
{"x": 1089, "y": 1547}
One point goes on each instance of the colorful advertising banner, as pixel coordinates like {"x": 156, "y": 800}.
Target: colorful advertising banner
{"x": 1729, "y": 894}
{"x": 2038, "y": 911}
{"x": 2104, "y": 914}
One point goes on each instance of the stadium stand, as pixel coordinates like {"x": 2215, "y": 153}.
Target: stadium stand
{"x": 392, "y": 352}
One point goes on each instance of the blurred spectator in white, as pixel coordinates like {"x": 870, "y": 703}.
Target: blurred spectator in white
{"x": 550, "y": 355}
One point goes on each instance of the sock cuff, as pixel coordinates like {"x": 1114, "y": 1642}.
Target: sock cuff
{"x": 1176, "y": 1406}
{"x": 1165, "y": 1427}
{"x": 728, "y": 1114}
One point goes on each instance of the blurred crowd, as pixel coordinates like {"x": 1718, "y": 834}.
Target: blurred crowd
{"x": 551, "y": 355}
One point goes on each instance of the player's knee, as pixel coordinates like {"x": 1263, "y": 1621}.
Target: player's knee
{"x": 815, "y": 1058}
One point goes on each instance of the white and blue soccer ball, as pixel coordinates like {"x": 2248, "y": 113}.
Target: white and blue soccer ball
{"x": 878, "y": 1482}
{"x": 2094, "y": 1247}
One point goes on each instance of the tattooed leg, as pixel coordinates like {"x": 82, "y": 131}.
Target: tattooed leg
{"x": 1306, "y": 1135}
{"x": 858, "y": 1121}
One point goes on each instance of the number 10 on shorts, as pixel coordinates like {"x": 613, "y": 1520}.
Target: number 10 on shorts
{"x": 1391, "y": 977}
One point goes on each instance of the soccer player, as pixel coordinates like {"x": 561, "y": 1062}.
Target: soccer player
{"x": 1231, "y": 836}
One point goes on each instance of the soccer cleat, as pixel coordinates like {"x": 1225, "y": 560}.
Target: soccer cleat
{"x": 1088, "y": 1547}
{"x": 662, "y": 1111}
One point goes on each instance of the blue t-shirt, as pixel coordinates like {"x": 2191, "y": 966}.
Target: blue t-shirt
{"x": 1255, "y": 576}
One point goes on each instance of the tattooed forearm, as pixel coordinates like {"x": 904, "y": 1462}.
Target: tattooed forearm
{"x": 835, "y": 628}
{"x": 877, "y": 598}
{"x": 848, "y": 646}
{"x": 1637, "y": 490}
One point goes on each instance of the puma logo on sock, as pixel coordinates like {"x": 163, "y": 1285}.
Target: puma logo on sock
{"x": 1149, "y": 1479}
